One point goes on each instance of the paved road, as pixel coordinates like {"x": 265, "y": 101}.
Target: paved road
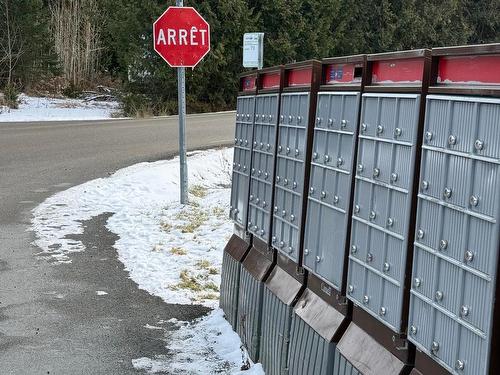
{"x": 51, "y": 319}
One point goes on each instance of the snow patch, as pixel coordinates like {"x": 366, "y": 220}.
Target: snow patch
{"x": 51, "y": 109}
{"x": 206, "y": 346}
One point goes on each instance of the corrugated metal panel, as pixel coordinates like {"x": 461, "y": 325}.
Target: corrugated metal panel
{"x": 276, "y": 317}
{"x": 229, "y": 288}
{"x": 250, "y": 313}
{"x": 290, "y": 172}
{"x": 330, "y": 185}
{"x": 382, "y": 204}
{"x": 457, "y": 233}
{"x": 242, "y": 159}
{"x": 309, "y": 352}
{"x": 262, "y": 172}
{"x": 343, "y": 366}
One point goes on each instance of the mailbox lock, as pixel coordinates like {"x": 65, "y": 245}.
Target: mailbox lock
{"x": 290, "y": 118}
{"x": 376, "y": 172}
{"x": 363, "y": 127}
{"x": 280, "y": 148}
{"x": 315, "y": 155}
{"x": 275, "y": 208}
{"x": 452, "y": 140}
{"x": 282, "y": 118}
{"x": 336, "y": 199}
{"x": 357, "y": 209}
{"x": 464, "y": 311}
{"x": 239, "y": 166}
{"x": 274, "y": 239}
{"x": 262, "y": 232}
{"x": 380, "y": 129}
{"x": 292, "y": 217}
{"x": 299, "y": 119}
{"x": 297, "y": 152}
{"x": 420, "y": 234}
{"x": 264, "y": 204}
{"x": 255, "y": 228}
{"x": 330, "y": 122}
{"x": 373, "y": 215}
{"x": 318, "y": 120}
{"x": 443, "y": 244}
{"x": 283, "y": 213}
{"x": 251, "y": 197}
{"x": 266, "y": 175}
{"x": 398, "y": 132}
{"x": 311, "y": 190}
{"x": 413, "y": 330}
{"x": 306, "y": 252}
{"x": 295, "y": 185}
{"x": 282, "y": 244}
{"x": 253, "y": 171}
{"x": 474, "y": 201}
{"x": 240, "y": 141}
{"x": 366, "y": 299}
{"x": 246, "y": 142}
{"x": 360, "y": 168}
{"x": 479, "y": 145}
{"x": 459, "y": 365}
{"x": 417, "y": 282}
{"x": 369, "y": 257}
{"x": 270, "y": 117}
{"x": 425, "y": 185}
{"x": 257, "y": 201}
{"x": 244, "y": 168}
{"x": 278, "y": 179}
{"x": 327, "y": 158}
{"x": 394, "y": 177}
{"x": 428, "y": 136}
{"x": 263, "y": 117}
{"x": 323, "y": 194}
{"x": 382, "y": 311}
{"x": 343, "y": 123}
{"x": 390, "y": 222}
{"x": 439, "y": 295}
{"x": 318, "y": 259}
{"x": 285, "y": 181}
{"x": 469, "y": 256}
{"x": 236, "y": 141}
{"x": 350, "y": 289}
{"x": 434, "y": 347}
{"x": 340, "y": 162}
{"x": 290, "y": 249}
{"x": 387, "y": 267}
{"x": 354, "y": 249}
{"x": 287, "y": 150}
{"x": 447, "y": 192}
{"x": 268, "y": 146}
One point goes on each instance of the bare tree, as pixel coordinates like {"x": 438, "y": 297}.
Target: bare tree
{"x": 11, "y": 43}
{"x": 77, "y": 37}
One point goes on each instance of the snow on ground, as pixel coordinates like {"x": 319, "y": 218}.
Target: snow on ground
{"x": 50, "y": 109}
{"x": 169, "y": 250}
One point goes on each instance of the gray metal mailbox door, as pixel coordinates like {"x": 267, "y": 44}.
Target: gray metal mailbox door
{"x": 290, "y": 171}
{"x": 330, "y": 185}
{"x": 457, "y": 233}
{"x": 262, "y": 172}
{"x": 242, "y": 159}
{"x": 382, "y": 204}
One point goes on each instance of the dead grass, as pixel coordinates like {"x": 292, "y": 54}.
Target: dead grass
{"x": 178, "y": 251}
{"x": 166, "y": 227}
{"x": 192, "y": 219}
{"x": 198, "y": 191}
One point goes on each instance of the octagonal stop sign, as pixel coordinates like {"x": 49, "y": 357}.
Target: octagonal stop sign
{"x": 181, "y": 37}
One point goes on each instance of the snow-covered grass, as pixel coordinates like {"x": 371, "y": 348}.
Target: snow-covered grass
{"x": 51, "y": 109}
{"x": 169, "y": 250}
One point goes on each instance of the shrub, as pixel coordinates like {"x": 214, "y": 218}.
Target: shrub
{"x": 11, "y": 96}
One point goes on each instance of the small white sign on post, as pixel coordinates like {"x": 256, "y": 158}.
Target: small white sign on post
{"x": 253, "y": 50}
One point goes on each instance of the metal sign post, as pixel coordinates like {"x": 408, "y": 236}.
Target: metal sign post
{"x": 182, "y": 38}
{"x": 181, "y": 78}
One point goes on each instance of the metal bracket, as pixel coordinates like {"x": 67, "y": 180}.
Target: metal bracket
{"x": 400, "y": 344}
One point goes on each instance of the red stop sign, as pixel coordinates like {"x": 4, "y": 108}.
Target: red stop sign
{"x": 181, "y": 37}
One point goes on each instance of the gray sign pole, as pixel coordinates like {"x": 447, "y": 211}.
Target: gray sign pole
{"x": 181, "y": 77}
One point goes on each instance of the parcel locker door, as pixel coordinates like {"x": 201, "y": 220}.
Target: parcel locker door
{"x": 330, "y": 185}
{"x": 290, "y": 174}
{"x": 382, "y": 202}
{"x": 263, "y": 154}
{"x": 242, "y": 159}
{"x": 457, "y": 234}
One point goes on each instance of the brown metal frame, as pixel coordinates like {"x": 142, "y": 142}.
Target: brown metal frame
{"x": 473, "y": 50}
